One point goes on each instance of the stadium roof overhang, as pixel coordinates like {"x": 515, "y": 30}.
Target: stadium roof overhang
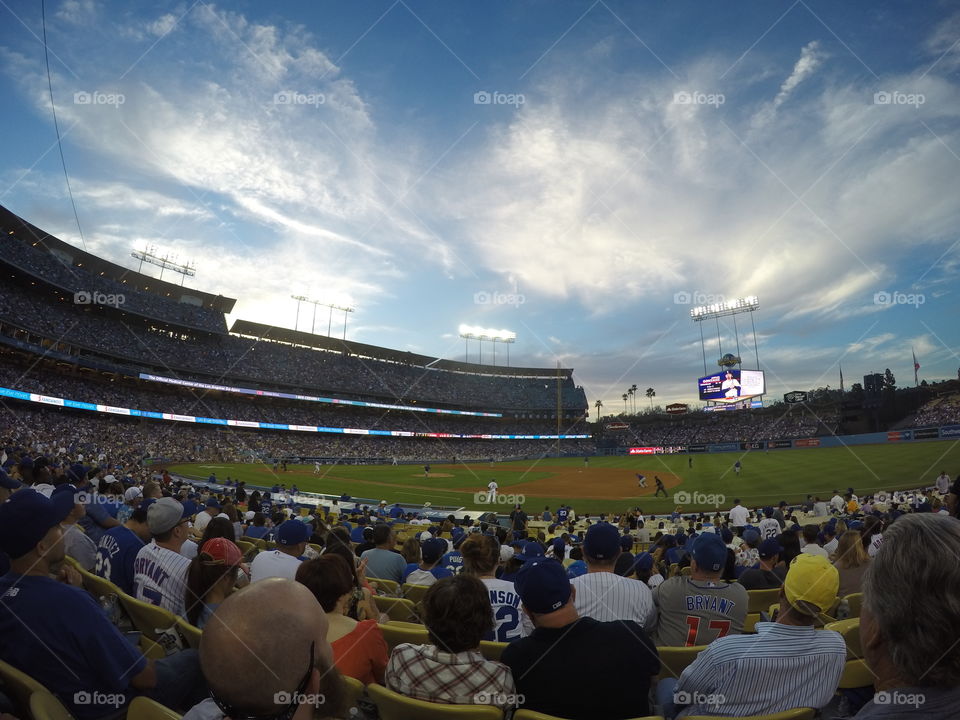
{"x": 322, "y": 342}
{"x": 99, "y": 266}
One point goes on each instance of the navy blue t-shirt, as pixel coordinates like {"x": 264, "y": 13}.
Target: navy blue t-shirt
{"x": 116, "y": 552}
{"x": 59, "y": 635}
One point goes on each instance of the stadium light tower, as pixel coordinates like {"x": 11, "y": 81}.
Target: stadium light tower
{"x": 167, "y": 262}
{"x": 473, "y": 332}
{"x": 315, "y": 303}
{"x": 727, "y": 308}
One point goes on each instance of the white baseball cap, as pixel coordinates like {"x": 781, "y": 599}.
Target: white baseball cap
{"x": 132, "y": 493}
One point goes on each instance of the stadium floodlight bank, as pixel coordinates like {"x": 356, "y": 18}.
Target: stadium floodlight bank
{"x": 722, "y": 309}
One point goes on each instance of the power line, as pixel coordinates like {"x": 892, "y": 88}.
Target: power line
{"x": 56, "y": 124}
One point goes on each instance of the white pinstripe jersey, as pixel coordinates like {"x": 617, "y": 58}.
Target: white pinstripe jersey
{"x": 160, "y": 578}
{"x": 605, "y": 596}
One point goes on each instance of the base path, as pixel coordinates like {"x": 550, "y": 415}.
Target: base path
{"x": 589, "y": 484}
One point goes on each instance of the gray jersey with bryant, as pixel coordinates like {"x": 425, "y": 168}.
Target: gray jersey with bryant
{"x": 697, "y": 612}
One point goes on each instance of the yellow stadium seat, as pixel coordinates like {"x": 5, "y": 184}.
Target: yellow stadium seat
{"x": 854, "y": 603}
{"x": 856, "y": 674}
{"x": 393, "y": 706}
{"x": 414, "y": 593}
{"x": 397, "y": 608}
{"x": 98, "y": 586}
{"x": 850, "y": 630}
{"x": 149, "y": 619}
{"x": 20, "y": 687}
{"x": 674, "y": 660}
{"x": 797, "y": 714}
{"x": 260, "y": 543}
{"x": 150, "y": 649}
{"x": 491, "y": 649}
{"x": 758, "y": 600}
{"x": 685, "y": 571}
{"x": 397, "y": 633}
{"x": 247, "y": 548}
{"x": 353, "y": 691}
{"x": 143, "y": 708}
{"x": 45, "y": 706}
{"x": 533, "y": 715}
{"x": 190, "y": 633}
{"x": 385, "y": 587}
{"x": 674, "y": 569}
{"x": 750, "y": 622}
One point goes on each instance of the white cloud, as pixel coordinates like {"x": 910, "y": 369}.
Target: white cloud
{"x": 810, "y": 59}
{"x": 77, "y": 12}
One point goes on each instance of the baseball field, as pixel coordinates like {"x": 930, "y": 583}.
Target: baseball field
{"x": 610, "y": 484}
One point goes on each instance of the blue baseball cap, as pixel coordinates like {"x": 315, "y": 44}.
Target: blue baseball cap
{"x": 626, "y": 543}
{"x": 751, "y": 537}
{"x": 8, "y": 482}
{"x": 602, "y": 542}
{"x": 531, "y": 550}
{"x": 769, "y": 548}
{"x": 27, "y": 517}
{"x": 543, "y": 585}
{"x": 710, "y": 552}
{"x": 726, "y": 534}
{"x": 643, "y": 561}
{"x": 212, "y": 502}
{"x": 292, "y": 532}
{"x": 433, "y": 549}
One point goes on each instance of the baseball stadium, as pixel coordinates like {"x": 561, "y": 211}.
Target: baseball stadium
{"x": 657, "y": 485}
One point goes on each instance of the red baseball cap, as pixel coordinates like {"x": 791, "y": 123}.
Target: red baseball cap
{"x": 221, "y": 552}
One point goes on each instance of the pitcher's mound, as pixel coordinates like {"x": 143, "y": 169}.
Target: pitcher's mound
{"x": 433, "y": 475}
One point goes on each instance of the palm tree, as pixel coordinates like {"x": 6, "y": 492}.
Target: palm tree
{"x": 630, "y": 395}
{"x": 651, "y": 393}
{"x": 633, "y": 391}
{"x": 624, "y": 403}
{"x": 599, "y": 405}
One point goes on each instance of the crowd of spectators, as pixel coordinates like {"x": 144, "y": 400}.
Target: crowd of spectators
{"x": 22, "y": 255}
{"x": 156, "y": 397}
{"x": 939, "y": 411}
{"x": 583, "y": 594}
{"x": 137, "y": 346}
{"x": 735, "y": 426}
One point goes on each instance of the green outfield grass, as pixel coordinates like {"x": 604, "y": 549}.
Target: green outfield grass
{"x": 767, "y": 477}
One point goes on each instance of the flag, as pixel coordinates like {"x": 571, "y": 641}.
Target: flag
{"x": 916, "y": 366}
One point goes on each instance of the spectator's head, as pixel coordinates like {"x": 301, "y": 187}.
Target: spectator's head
{"x": 330, "y": 580}
{"x": 213, "y": 506}
{"x": 432, "y": 550}
{"x": 30, "y": 532}
{"x": 911, "y": 604}
{"x": 267, "y": 646}
{"x": 850, "y": 551}
{"x": 708, "y": 556}
{"x": 481, "y": 554}
{"x": 8, "y": 485}
{"x": 79, "y": 509}
{"x": 259, "y": 519}
{"x": 169, "y": 523}
{"x": 810, "y": 533}
{"x": 411, "y": 550}
{"x": 751, "y": 538}
{"x": 368, "y": 534}
{"x": 457, "y": 613}
{"x": 218, "y": 527}
{"x": 212, "y": 575}
{"x": 601, "y": 546}
{"x": 384, "y": 537}
{"x": 546, "y": 593}
{"x": 809, "y": 589}
{"x": 292, "y": 537}
{"x": 769, "y": 551}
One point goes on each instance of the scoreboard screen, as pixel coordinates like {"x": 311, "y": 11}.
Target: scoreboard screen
{"x": 731, "y": 385}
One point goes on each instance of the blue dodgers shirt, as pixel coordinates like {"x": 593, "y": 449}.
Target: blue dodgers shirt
{"x": 58, "y": 635}
{"x": 452, "y": 561}
{"x": 116, "y": 552}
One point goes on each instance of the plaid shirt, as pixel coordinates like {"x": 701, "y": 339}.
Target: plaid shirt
{"x": 425, "y": 673}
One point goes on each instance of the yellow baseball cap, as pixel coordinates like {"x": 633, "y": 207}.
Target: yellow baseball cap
{"x": 812, "y": 579}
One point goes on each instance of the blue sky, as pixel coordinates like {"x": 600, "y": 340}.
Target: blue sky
{"x": 632, "y": 156}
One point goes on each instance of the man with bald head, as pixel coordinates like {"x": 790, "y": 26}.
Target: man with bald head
{"x": 265, "y": 655}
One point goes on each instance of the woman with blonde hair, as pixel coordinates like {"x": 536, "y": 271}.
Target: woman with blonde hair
{"x": 851, "y": 561}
